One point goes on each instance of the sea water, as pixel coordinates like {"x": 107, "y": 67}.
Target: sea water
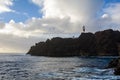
{"x": 26, "y": 67}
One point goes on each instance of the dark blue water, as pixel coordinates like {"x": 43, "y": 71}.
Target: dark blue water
{"x": 25, "y": 67}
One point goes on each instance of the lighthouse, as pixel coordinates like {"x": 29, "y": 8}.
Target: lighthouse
{"x": 83, "y": 29}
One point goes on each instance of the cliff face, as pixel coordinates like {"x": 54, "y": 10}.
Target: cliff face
{"x": 87, "y": 44}
{"x": 106, "y": 42}
{"x": 102, "y": 43}
{"x": 57, "y": 47}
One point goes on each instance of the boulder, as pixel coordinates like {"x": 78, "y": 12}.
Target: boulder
{"x": 117, "y": 70}
{"x": 115, "y": 63}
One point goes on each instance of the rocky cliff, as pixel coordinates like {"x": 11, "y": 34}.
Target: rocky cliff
{"x": 102, "y": 43}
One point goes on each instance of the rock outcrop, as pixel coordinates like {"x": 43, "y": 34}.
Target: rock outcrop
{"x": 107, "y": 42}
{"x": 116, "y": 65}
{"x": 102, "y": 43}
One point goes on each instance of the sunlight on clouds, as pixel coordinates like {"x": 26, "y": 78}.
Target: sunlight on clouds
{"x": 4, "y": 5}
{"x": 19, "y": 29}
{"x": 104, "y": 16}
{"x": 77, "y": 10}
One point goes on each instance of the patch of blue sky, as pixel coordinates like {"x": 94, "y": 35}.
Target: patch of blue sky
{"x": 23, "y": 10}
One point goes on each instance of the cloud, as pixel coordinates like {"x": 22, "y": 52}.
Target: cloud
{"x": 113, "y": 11}
{"x": 2, "y": 24}
{"x": 77, "y": 10}
{"x": 59, "y": 16}
{"x": 35, "y": 27}
{"x": 111, "y": 16}
{"x": 18, "y": 37}
{"x": 63, "y": 18}
{"x": 51, "y": 25}
{"x": 15, "y": 44}
{"x": 5, "y": 5}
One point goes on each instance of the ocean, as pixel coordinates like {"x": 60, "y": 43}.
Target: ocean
{"x": 26, "y": 67}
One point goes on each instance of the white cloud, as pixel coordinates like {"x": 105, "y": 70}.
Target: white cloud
{"x": 37, "y": 26}
{"x": 5, "y": 5}
{"x": 18, "y": 37}
{"x": 2, "y": 24}
{"x": 111, "y": 18}
{"x": 60, "y": 17}
{"x": 105, "y": 16}
{"x": 77, "y": 10}
{"x": 113, "y": 11}
{"x": 11, "y": 43}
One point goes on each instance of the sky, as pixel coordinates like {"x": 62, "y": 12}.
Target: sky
{"x": 26, "y": 22}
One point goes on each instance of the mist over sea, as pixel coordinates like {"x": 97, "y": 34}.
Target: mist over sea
{"x": 26, "y": 67}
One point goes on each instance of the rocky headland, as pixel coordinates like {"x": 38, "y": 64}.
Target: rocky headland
{"x": 101, "y": 43}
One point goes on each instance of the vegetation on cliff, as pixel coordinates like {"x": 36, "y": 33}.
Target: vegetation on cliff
{"x": 102, "y": 43}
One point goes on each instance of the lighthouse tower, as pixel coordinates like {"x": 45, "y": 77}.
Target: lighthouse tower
{"x": 83, "y": 29}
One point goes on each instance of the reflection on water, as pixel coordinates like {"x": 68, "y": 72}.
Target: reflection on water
{"x": 22, "y": 67}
